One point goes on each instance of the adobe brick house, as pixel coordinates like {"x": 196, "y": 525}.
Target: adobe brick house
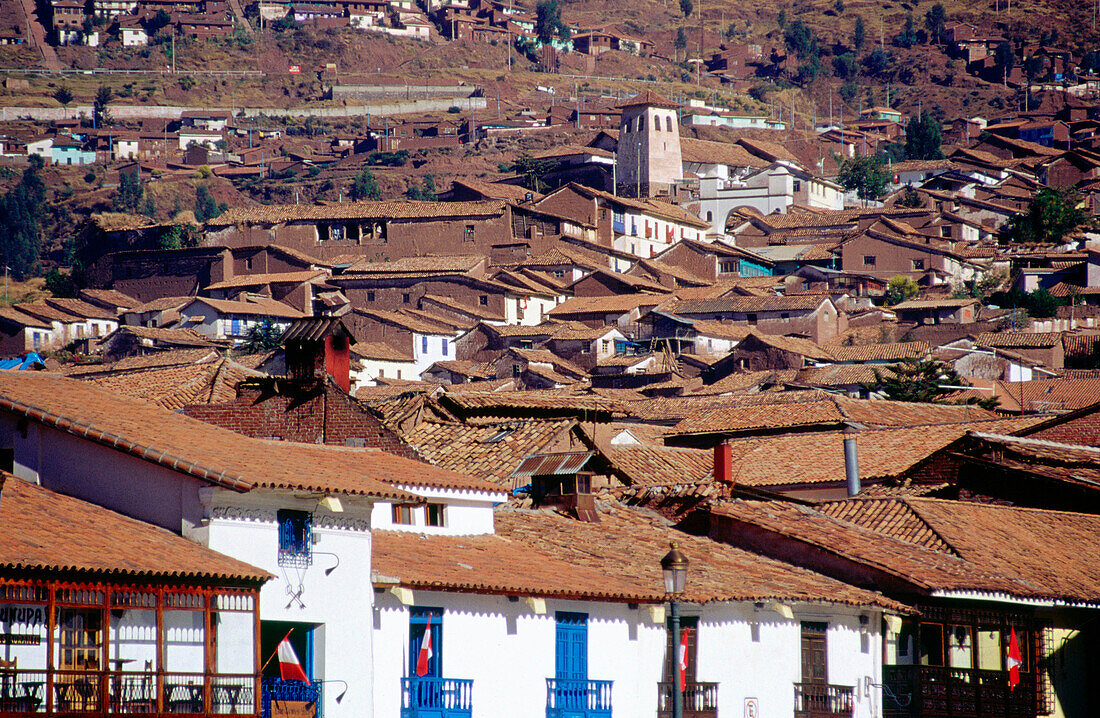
{"x": 389, "y": 229}
{"x": 713, "y": 260}
{"x": 884, "y": 254}
{"x": 810, "y": 315}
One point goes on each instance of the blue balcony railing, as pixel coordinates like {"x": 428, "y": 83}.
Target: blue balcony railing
{"x": 436, "y": 697}
{"x": 577, "y": 698}
{"x": 276, "y": 689}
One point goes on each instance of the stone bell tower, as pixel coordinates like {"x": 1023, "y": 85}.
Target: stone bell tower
{"x": 648, "y": 160}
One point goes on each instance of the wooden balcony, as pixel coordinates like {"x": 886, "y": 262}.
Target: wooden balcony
{"x": 957, "y": 692}
{"x": 436, "y": 697}
{"x": 700, "y": 700}
{"x": 95, "y": 693}
{"x": 819, "y": 700}
{"x": 577, "y": 698}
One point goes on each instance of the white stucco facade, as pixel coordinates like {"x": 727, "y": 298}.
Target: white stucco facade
{"x": 507, "y": 648}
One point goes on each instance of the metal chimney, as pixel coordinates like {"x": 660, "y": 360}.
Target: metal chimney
{"x": 851, "y": 458}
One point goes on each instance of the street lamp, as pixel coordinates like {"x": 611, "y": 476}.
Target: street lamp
{"x": 674, "y": 570}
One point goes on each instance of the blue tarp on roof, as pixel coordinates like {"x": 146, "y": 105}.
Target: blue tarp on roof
{"x": 23, "y": 363}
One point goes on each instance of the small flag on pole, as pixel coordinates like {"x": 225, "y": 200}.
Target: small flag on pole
{"x": 683, "y": 657}
{"x": 425, "y": 654}
{"x": 289, "y": 667}
{"x": 1014, "y": 660}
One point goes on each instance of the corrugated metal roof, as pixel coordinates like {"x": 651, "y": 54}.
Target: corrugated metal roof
{"x": 553, "y": 464}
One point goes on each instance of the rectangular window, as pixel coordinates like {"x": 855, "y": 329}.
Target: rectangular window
{"x": 752, "y": 319}
{"x": 814, "y": 653}
{"x": 423, "y": 619}
{"x": 868, "y": 260}
{"x": 370, "y": 296}
{"x": 797, "y": 185}
{"x": 931, "y": 644}
{"x": 235, "y": 327}
{"x": 945, "y": 231}
{"x": 436, "y": 515}
{"x": 571, "y": 650}
{"x": 295, "y": 538}
{"x": 918, "y": 264}
{"x": 402, "y": 514}
{"x": 424, "y": 344}
{"x": 468, "y": 235}
{"x": 406, "y": 298}
{"x": 483, "y": 300}
{"x": 444, "y": 347}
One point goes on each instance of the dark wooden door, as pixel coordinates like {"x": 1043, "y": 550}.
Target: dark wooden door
{"x": 814, "y": 661}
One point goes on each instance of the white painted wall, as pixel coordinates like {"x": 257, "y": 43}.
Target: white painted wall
{"x": 508, "y": 651}
{"x": 466, "y": 512}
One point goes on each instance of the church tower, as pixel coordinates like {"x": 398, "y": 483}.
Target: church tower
{"x": 648, "y": 160}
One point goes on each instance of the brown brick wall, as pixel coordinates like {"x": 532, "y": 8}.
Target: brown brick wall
{"x": 319, "y": 415}
{"x": 1084, "y": 430}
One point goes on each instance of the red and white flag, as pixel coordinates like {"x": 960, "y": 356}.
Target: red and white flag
{"x": 682, "y": 661}
{"x": 294, "y": 69}
{"x": 1013, "y": 660}
{"x": 289, "y": 667}
{"x": 425, "y": 654}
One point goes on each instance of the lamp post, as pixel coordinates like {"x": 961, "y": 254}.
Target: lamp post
{"x": 674, "y": 570}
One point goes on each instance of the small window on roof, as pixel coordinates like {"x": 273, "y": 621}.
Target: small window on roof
{"x": 499, "y": 436}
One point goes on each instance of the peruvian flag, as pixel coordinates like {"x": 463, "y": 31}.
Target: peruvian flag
{"x": 682, "y": 660}
{"x": 289, "y": 667}
{"x": 1013, "y": 660}
{"x": 425, "y": 654}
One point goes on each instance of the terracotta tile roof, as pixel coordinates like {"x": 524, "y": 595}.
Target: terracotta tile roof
{"x": 704, "y": 152}
{"x": 15, "y": 316}
{"x": 110, "y": 296}
{"x": 1018, "y": 340}
{"x": 1038, "y": 548}
{"x": 167, "y": 337}
{"x": 574, "y": 331}
{"x": 414, "y": 265}
{"x": 796, "y": 345}
{"x": 720, "y": 329}
{"x": 536, "y": 400}
{"x": 817, "y": 457}
{"x": 80, "y": 308}
{"x": 609, "y": 304}
{"x": 174, "y": 387}
{"x": 742, "y": 304}
{"x": 386, "y": 209}
{"x": 496, "y": 190}
{"x": 925, "y": 568}
{"x": 174, "y": 357}
{"x": 739, "y": 382}
{"x": 466, "y": 368}
{"x": 47, "y": 313}
{"x": 412, "y": 322}
{"x": 520, "y": 330}
{"x": 44, "y": 530}
{"x": 879, "y": 352}
{"x": 1059, "y": 394}
{"x": 256, "y": 280}
{"x": 635, "y": 283}
{"x": 934, "y": 304}
{"x": 545, "y": 356}
{"x": 648, "y": 465}
{"x": 206, "y": 452}
{"x": 626, "y": 547}
{"x": 462, "y": 308}
{"x": 254, "y": 306}
{"x": 835, "y": 375}
{"x": 300, "y": 255}
{"x": 490, "y": 452}
{"x": 159, "y": 305}
{"x": 675, "y": 408}
{"x": 1069, "y": 463}
{"x": 381, "y": 351}
{"x": 896, "y": 518}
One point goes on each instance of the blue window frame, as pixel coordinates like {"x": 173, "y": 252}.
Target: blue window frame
{"x": 444, "y": 347}
{"x": 418, "y": 623}
{"x": 236, "y": 324}
{"x": 424, "y": 345}
{"x": 571, "y": 654}
{"x": 295, "y": 538}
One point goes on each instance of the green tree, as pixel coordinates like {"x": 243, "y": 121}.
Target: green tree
{"x": 60, "y": 285}
{"x": 100, "y": 114}
{"x": 934, "y": 21}
{"x": 845, "y": 65}
{"x": 424, "y": 191}
{"x": 22, "y": 211}
{"x": 923, "y": 137}
{"x": 149, "y": 207}
{"x": 686, "y": 7}
{"x": 781, "y": 19}
{"x": 205, "y": 206}
{"x": 860, "y": 35}
{"x": 865, "y": 176}
{"x": 63, "y": 95}
{"x": 876, "y": 63}
{"x": 910, "y": 198}
{"x": 534, "y": 171}
{"x": 1050, "y": 216}
{"x": 130, "y": 191}
{"x": 920, "y": 380}
{"x": 800, "y": 40}
{"x": 262, "y": 337}
{"x": 548, "y": 22}
{"x": 908, "y": 35}
{"x": 899, "y": 288}
{"x": 808, "y": 71}
{"x": 365, "y": 186}
{"x": 681, "y": 41}
{"x": 1005, "y": 57}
